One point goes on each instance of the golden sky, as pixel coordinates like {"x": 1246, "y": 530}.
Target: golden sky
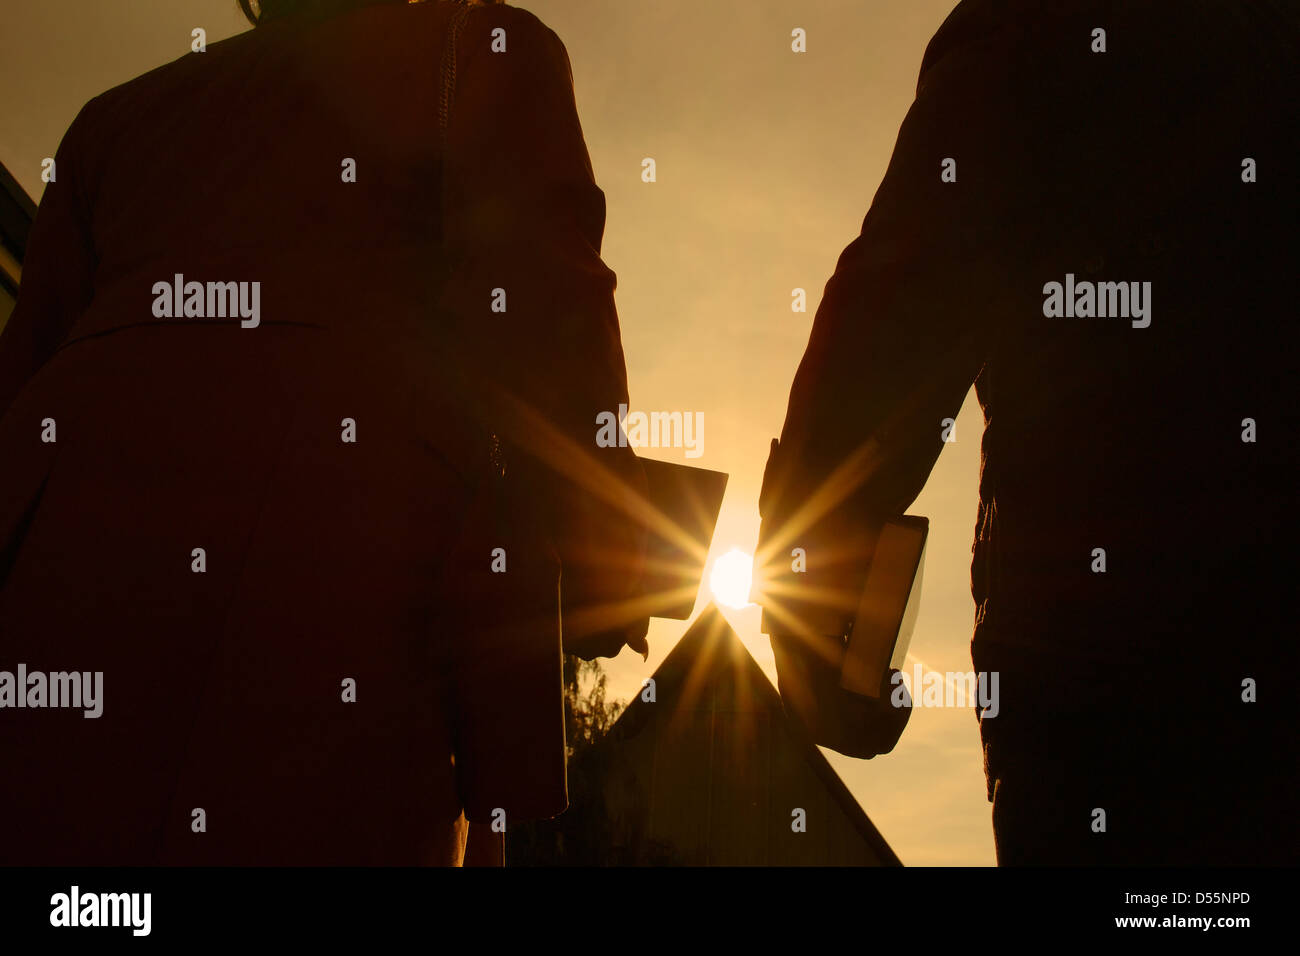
{"x": 766, "y": 163}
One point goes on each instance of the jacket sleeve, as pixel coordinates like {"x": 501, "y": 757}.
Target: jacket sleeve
{"x": 907, "y": 319}
{"x": 538, "y": 333}
{"x": 58, "y": 268}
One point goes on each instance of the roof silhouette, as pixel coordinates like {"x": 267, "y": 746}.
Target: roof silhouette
{"x": 703, "y": 767}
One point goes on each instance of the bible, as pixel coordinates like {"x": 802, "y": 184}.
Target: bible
{"x": 686, "y": 502}
{"x": 886, "y": 616}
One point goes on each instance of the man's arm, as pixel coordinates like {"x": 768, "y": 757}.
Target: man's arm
{"x": 903, "y": 329}
{"x": 907, "y": 319}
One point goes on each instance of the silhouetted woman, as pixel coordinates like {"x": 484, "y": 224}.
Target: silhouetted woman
{"x": 298, "y": 403}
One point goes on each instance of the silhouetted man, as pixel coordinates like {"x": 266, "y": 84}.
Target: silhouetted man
{"x": 1090, "y": 214}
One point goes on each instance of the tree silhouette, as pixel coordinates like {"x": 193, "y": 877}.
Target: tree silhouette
{"x": 587, "y": 833}
{"x": 569, "y": 838}
{"x": 588, "y": 716}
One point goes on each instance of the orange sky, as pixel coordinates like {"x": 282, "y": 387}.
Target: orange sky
{"x": 766, "y": 162}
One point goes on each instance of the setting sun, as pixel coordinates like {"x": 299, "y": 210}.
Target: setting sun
{"x": 730, "y": 578}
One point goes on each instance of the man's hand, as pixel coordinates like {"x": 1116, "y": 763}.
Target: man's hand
{"x": 808, "y": 677}
{"x": 611, "y": 643}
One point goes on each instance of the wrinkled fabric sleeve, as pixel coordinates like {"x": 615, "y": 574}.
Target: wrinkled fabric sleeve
{"x": 523, "y": 221}
{"x": 907, "y": 319}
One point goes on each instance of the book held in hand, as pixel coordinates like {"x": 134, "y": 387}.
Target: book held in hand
{"x": 886, "y": 616}
{"x": 689, "y": 500}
